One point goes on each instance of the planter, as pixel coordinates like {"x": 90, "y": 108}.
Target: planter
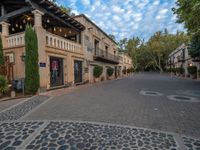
{"x": 96, "y": 80}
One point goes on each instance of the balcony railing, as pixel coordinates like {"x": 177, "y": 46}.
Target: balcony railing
{"x": 56, "y": 41}
{"x": 15, "y": 40}
{"x": 105, "y": 56}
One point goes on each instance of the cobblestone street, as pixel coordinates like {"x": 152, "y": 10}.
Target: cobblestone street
{"x": 144, "y": 111}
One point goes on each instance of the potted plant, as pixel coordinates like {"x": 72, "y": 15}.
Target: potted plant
{"x": 109, "y": 72}
{"x": 3, "y": 85}
{"x": 124, "y": 71}
{"x": 192, "y": 70}
{"x": 97, "y": 71}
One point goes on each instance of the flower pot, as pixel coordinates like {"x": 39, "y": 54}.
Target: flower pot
{"x": 96, "y": 80}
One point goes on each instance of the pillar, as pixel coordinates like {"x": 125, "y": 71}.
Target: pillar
{"x": 41, "y": 35}
{"x": 5, "y": 32}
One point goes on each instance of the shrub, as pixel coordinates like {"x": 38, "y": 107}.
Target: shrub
{"x": 124, "y": 71}
{"x": 110, "y": 71}
{"x": 3, "y": 84}
{"x": 192, "y": 70}
{"x": 32, "y": 80}
{"x": 131, "y": 69}
{"x": 97, "y": 71}
{"x": 180, "y": 70}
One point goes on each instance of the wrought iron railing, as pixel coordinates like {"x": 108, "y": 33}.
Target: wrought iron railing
{"x": 105, "y": 55}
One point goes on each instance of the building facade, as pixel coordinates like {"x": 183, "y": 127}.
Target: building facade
{"x": 68, "y": 47}
{"x": 180, "y": 58}
{"x": 99, "y": 49}
{"x": 59, "y": 41}
{"x": 125, "y": 62}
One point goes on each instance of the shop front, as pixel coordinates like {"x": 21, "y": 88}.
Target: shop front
{"x": 56, "y": 71}
{"x": 78, "y": 72}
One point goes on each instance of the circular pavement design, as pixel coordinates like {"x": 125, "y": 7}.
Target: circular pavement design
{"x": 189, "y": 92}
{"x": 150, "y": 93}
{"x": 181, "y": 98}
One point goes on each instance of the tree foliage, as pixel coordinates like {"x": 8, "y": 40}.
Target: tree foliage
{"x": 31, "y": 61}
{"x": 188, "y": 12}
{"x": 153, "y": 53}
{"x": 1, "y": 52}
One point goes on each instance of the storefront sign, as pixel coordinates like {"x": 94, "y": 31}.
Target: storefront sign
{"x": 42, "y": 64}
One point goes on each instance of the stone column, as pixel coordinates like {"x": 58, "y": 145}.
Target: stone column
{"x": 41, "y": 34}
{"x": 5, "y": 32}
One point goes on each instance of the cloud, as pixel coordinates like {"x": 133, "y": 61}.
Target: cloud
{"x": 128, "y": 18}
{"x": 85, "y": 2}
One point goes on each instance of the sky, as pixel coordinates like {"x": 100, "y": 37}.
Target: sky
{"x": 128, "y": 18}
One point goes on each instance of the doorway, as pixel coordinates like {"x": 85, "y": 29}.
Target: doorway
{"x": 56, "y": 71}
{"x": 77, "y": 71}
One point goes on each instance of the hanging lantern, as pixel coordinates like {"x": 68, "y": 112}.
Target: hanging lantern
{"x": 16, "y": 25}
{"x": 65, "y": 35}
{"x": 13, "y": 29}
{"x": 28, "y": 18}
{"x": 48, "y": 20}
{"x": 54, "y": 29}
{"x": 24, "y": 21}
{"x": 70, "y": 31}
{"x": 60, "y": 30}
{"x": 20, "y": 27}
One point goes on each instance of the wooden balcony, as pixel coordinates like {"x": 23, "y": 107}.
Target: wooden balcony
{"x": 102, "y": 55}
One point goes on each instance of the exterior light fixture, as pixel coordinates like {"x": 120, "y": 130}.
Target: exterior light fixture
{"x": 190, "y": 64}
{"x": 24, "y": 21}
{"x": 48, "y": 20}
{"x": 60, "y": 30}
{"x": 65, "y": 35}
{"x": 70, "y": 31}
{"x": 16, "y": 25}
{"x": 23, "y": 56}
{"x": 20, "y": 26}
{"x": 54, "y": 29}
{"x": 28, "y": 18}
{"x": 13, "y": 29}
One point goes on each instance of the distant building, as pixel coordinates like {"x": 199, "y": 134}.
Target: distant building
{"x": 125, "y": 62}
{"x": 180, "y": 58}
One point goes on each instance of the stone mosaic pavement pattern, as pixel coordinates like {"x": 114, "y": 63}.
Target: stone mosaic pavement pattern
{"x": 18, "y": 111}
{"x": 63, "y": 135}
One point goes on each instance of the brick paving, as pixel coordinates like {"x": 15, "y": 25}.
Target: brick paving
{"x": 63, "y": 135}
{"x": 132, "y": 120}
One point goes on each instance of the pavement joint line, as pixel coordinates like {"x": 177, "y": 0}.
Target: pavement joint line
{"x": 34, "y": 109}
{"x": 33, "y": 136}
{"x": 17, "y": 104}
{"x": 179, "y": 141}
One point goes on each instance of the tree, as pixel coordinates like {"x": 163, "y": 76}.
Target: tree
{"x": 194, "y": 49}
{"x": 1, "y": 52}
{"x": 188, "y": 12}
{"x": 31, "y": 61}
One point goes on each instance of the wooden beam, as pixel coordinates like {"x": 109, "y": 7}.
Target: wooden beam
{"x": 36, "y": 6}
{"x": 15, "y": 13}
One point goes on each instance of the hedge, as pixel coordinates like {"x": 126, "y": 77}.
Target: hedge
{"x": 97, "y": 71}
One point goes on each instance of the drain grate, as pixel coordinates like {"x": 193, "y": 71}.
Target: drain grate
{"x": 182, "y": 98}
{"x": 150, "y": 93}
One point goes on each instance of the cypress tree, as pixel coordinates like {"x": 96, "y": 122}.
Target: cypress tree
{"x": 1, "y": 52}
{"x": 31, "y": 61}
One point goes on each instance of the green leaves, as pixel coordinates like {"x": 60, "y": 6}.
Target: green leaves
{"x": 31, "y": 61}
{"x": 188, "y": 12}
{"x": 97, "y": 71}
